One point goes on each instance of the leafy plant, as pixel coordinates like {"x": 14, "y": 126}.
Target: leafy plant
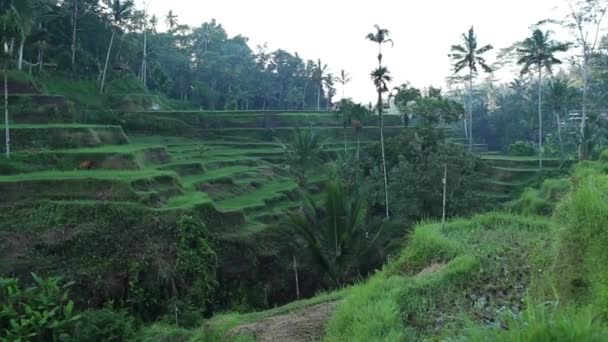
{"x": 521, "y": 149}
{"x": 42, "y": 312}
{"x": 336, "y": 234}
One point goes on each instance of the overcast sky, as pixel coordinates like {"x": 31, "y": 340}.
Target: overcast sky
{"x": 334, "y": 30}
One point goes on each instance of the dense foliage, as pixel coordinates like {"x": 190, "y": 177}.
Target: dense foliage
{"x": 203, "y": 65}
{"x": 415, "y": 160}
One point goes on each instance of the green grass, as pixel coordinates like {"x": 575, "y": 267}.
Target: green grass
{"x": 447, "y": 278}
{"x": 229, "y": 172}
{"x": 55, "y": 126}
{"x": 515, "y": 158}
{"x": 258, "y": 198}
{"x": 80, "y": 174}
{"x": 188, "y": 200}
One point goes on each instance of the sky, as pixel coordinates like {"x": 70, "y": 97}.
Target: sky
{"x": 334, "y": 30}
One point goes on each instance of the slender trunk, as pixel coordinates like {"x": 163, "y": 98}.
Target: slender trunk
{"x": 445, "y": 185}
{"x": 6, "y": 124}
{"x": 105, "y": 68}
{"x": 582, "y": 150}
{"x": 358, "y": 145}
{"x": 470, "y": 111}
{"x": 74, "y": 29}
{"x": 295, "y": 271}
{"x": 41, "y": 57}
{"x": 304, "y": 97}
{"x": 144, "y": 61}
{"x": 318, "y": 98}
{"x": 383, "y": 155}
{"x": 20, "y": 53}
{"x": 559, "y": 135}
{"x": 540, "y": 117}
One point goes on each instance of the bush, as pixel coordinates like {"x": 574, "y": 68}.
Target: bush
{"x": 42, "y": 312}
{"x": 104, "y": 325}
{"x": 521, "y": 149}
{"x": 543, "y": 201}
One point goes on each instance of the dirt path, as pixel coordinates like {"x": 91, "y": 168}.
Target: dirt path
{"x": 307, "y": 324}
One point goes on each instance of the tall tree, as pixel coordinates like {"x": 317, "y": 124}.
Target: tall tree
{"x": 171, "y": 20}
{"x": 343, "y": 79}
{"x": 10, "y": 30}
{"x": 585, "y": 19}
{"x": 120, "y": 10}
{"x": 319, "y": 75}
{"x": 561, "y": 96}
{"x": 380, "y": 77}
{"x": 539, "y": 51}
{"x": 469, "y": 55}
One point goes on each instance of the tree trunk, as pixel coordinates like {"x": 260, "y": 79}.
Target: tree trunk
{"x": 540, "y": 117}
{"x": 559, "y": 135}
{"x": 40, "y": 58}
{"x": 445, "y": 186}
{"x": 105, "y": 68}
{"x": 318, "y": 98}
{"x": 144, "y": 61}
{"x": 295, "y": 271}
{"x": 20, "y": 53}
{"x": 470, "y": 111}
{"x": 74, "y": 29}
{"x": 383, "y": 155}
{"x": 6, "y": 124}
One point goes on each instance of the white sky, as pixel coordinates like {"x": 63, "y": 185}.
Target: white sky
{"x": 334, "y": 30}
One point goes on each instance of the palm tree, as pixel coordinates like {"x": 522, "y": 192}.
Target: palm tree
{"x": 318, "y": 76}
{"x": 24, "y": 10}
{"x": 336, "y": 234}
{"x": 171, "y": 20}
{"x": 303, "y": 154}
{"x": 561, "y": 95}
{"x": 343, "y": 79}
{"x": 381, "y": 76}
{"x": 468, "y": 55}
{"x": 120, "y": 10}
{"x": 539, "y": 51}
{"x": 328, "y": 81}
{"x": 10, "y": 30}
{"x": 380, "y": 37}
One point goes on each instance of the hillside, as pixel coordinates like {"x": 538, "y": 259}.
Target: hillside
{"x": 497, "y": 276}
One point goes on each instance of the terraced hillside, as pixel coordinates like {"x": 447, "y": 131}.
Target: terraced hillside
{"x": 132, "y": 175}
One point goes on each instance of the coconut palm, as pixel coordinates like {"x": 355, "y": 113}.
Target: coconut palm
{"x": 538, "y": 51}
{"x": 469, "y": 55}
{"x": 381, "y": 77}
{"x": 120, "y": 10}
{"x": 336, "y": 234}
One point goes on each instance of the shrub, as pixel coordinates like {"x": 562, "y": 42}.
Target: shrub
{"x": 543, "y": 201}
{"x": 581, "y": 262}
{"x": 42, "y": 312}
{"x": 521, "y": 148}
{"x": 104, "y": 325}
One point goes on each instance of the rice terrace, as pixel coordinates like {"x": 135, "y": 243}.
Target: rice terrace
{"x": 165, "y": 178}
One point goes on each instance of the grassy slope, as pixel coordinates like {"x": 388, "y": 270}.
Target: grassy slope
{"x": 475, "y": 271}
